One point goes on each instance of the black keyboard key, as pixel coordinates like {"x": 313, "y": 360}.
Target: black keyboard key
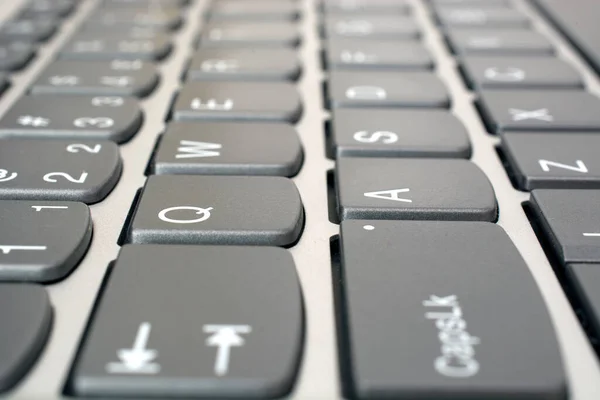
{"x": 48, "y": 8}
{"x": 42, "y": 241}
{"x": 372, "y": 27}
{"x": 570, "y": 220}
{"x": 519, "y": 73}
{"x": 256, "y": 10}
{"x": 377, "y": 188}
{"x": 114, "y": 46}
{"x": 247, "y": 34}
{"x": 365, "y": 7}
{"x": 61, "y": 170}
{"x": 191, "y": 148}
{"x": 585, "y": 280}
{"x": 238, "y": 101}
{"x": 4, "y": 82}
{"x": 398, "y": 133}
{"x": 442, "y": 310}
{"x": 377, "y": 54}
{"x": 481, "y": 17}
{"x": 578, "y": 21}
{"x": 236, "y": 210}
{"x": 539, "y": 110}
{"x": 244, "y": 341}
{"x": 386, "y": 89}
{"x": 516, "y": 42}
{"x": 28, "y": 30}
{"x": 15, "y": 56}
{"x": 82, "y": 117}
{"x": 143, "y": 3}
{"x": 101, "y": 78}
{"x": 26, "y": 315}
{"x": 159, "y": 18}
{"x": 260, "y": 64}
{"x": 553, "y": 161}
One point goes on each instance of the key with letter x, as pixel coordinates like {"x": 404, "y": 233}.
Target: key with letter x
{"x": 539, "y": 110}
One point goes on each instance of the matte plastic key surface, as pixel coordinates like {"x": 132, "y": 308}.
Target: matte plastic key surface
{"x": 517, "y": 42}
{"x": 395, "y": 27}
{"x": 28, "y": 29}
{"x": 62, "y": 170}
{"x": 27, "y": 317}
{"x": 412, "y": 188}
{"x": 362, "y": 7}
{"x": 224, "y": 210}
{"x": 15, "y": 55}
{"x": 257, "y": 10}
{"x": 248, "y": 34}
{"x": 442, "y": 310}
{"x": 42, "y": 241}
{"x": 481, "y": 17}
{"x": 78, "y": 117}
{"x": 191, "y": 148}
{"x": 194, "y": 322}
{"x": 94, "y": 46}
{"x": 159, "y": 18}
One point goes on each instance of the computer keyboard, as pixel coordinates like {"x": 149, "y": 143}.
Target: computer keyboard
{"x": 303, "y": 199}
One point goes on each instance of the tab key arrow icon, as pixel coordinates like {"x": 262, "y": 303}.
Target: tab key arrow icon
{"x": 137, "y": 359}
{"x": 224, "y": 338}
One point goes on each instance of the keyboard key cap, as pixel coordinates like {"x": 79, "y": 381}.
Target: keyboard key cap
{"x": 379, "y": 188}
{"x": 244, "y": 341}
{"x": 238, "y": 101}
{"x": 479, "y": 3}
{"x": 27, "y": 311}
{"x": 398, "y": 133}
{"x": 47, "y": 8}
{"x": 107, "y": 46}
{"x": 101, "y": 78}
{"x": 371, "y": 27}
{"x": 256, "y": 10}
{"x": 143, "y": 3}
{"x": 247, "y": 34}
{"x": 516, "y": 42}
{"x": 362, "y": 7}
{"x": 228, "y": 149}
{"x": 446, "y": 312}
{"x": 77, "y": 117}
{"x": 570, "y": 219}
{"x": 386, "y": 89}
{"x": 28, "y": 30}
{"x": 42, "y": 241}
{"x": 584, "y": 280}
{"x": 555, "y": 161}
{"x": 481, "y": 17}
{"x": 539, "y": 110}
{"x": 519, "y": 73}
{"x": 236, "y": 210}
{"x": 63, "y": 170}
{"x": 244, "y": 64}
{"x": 371, "y": 54}
{"x": 15, "y": 56}
{"x": 145, "y": 17}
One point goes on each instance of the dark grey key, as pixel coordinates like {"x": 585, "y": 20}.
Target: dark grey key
{"x": 28, "y": 30}
{"x": 245, "y": 341}
{"x": 577, "y": 20}
{"x": 585, "y": 280}
{"x": 386, "y": 89}
{"x": 47, "y": 8}
{"x": 236, "y": 210}
{"x": 228, "y": 149}
{"x": 238, "y": 101}
{"x": 416, "y": 315}
{"x": 254, "y": 10}
{"x": 373, "y": 27}
{"x": 571, "y": 222}
{"x": 42, "y": 241}
{"x": 372, "y": 54}
{"x": 244, "y": 64}
{"x": 15, "y": 56}
{"x": 479, "y": 3}
{"x": 145, "y": 17}
{"x": 59, "y": 170}
{"x": 26, "y": 313}
{"x": 246, "y": 34}
{"x": 481, "y": 17}
{"x": 384, "y": 188}
{"x": 398, "y": 133}
{"x": 143, "y": 3}
{"x": 539, "y": 110}
{"x": 516, "y": 42}
{"x": 362, "y": 7}
{"x": 4, "y": 82}
{"x": 79, "y": 117}
{"x": 519, "y": 73}
{"x": 101, "y": 78}
{"x": 108, "y": 46}
{"x": 553, "y": 161}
